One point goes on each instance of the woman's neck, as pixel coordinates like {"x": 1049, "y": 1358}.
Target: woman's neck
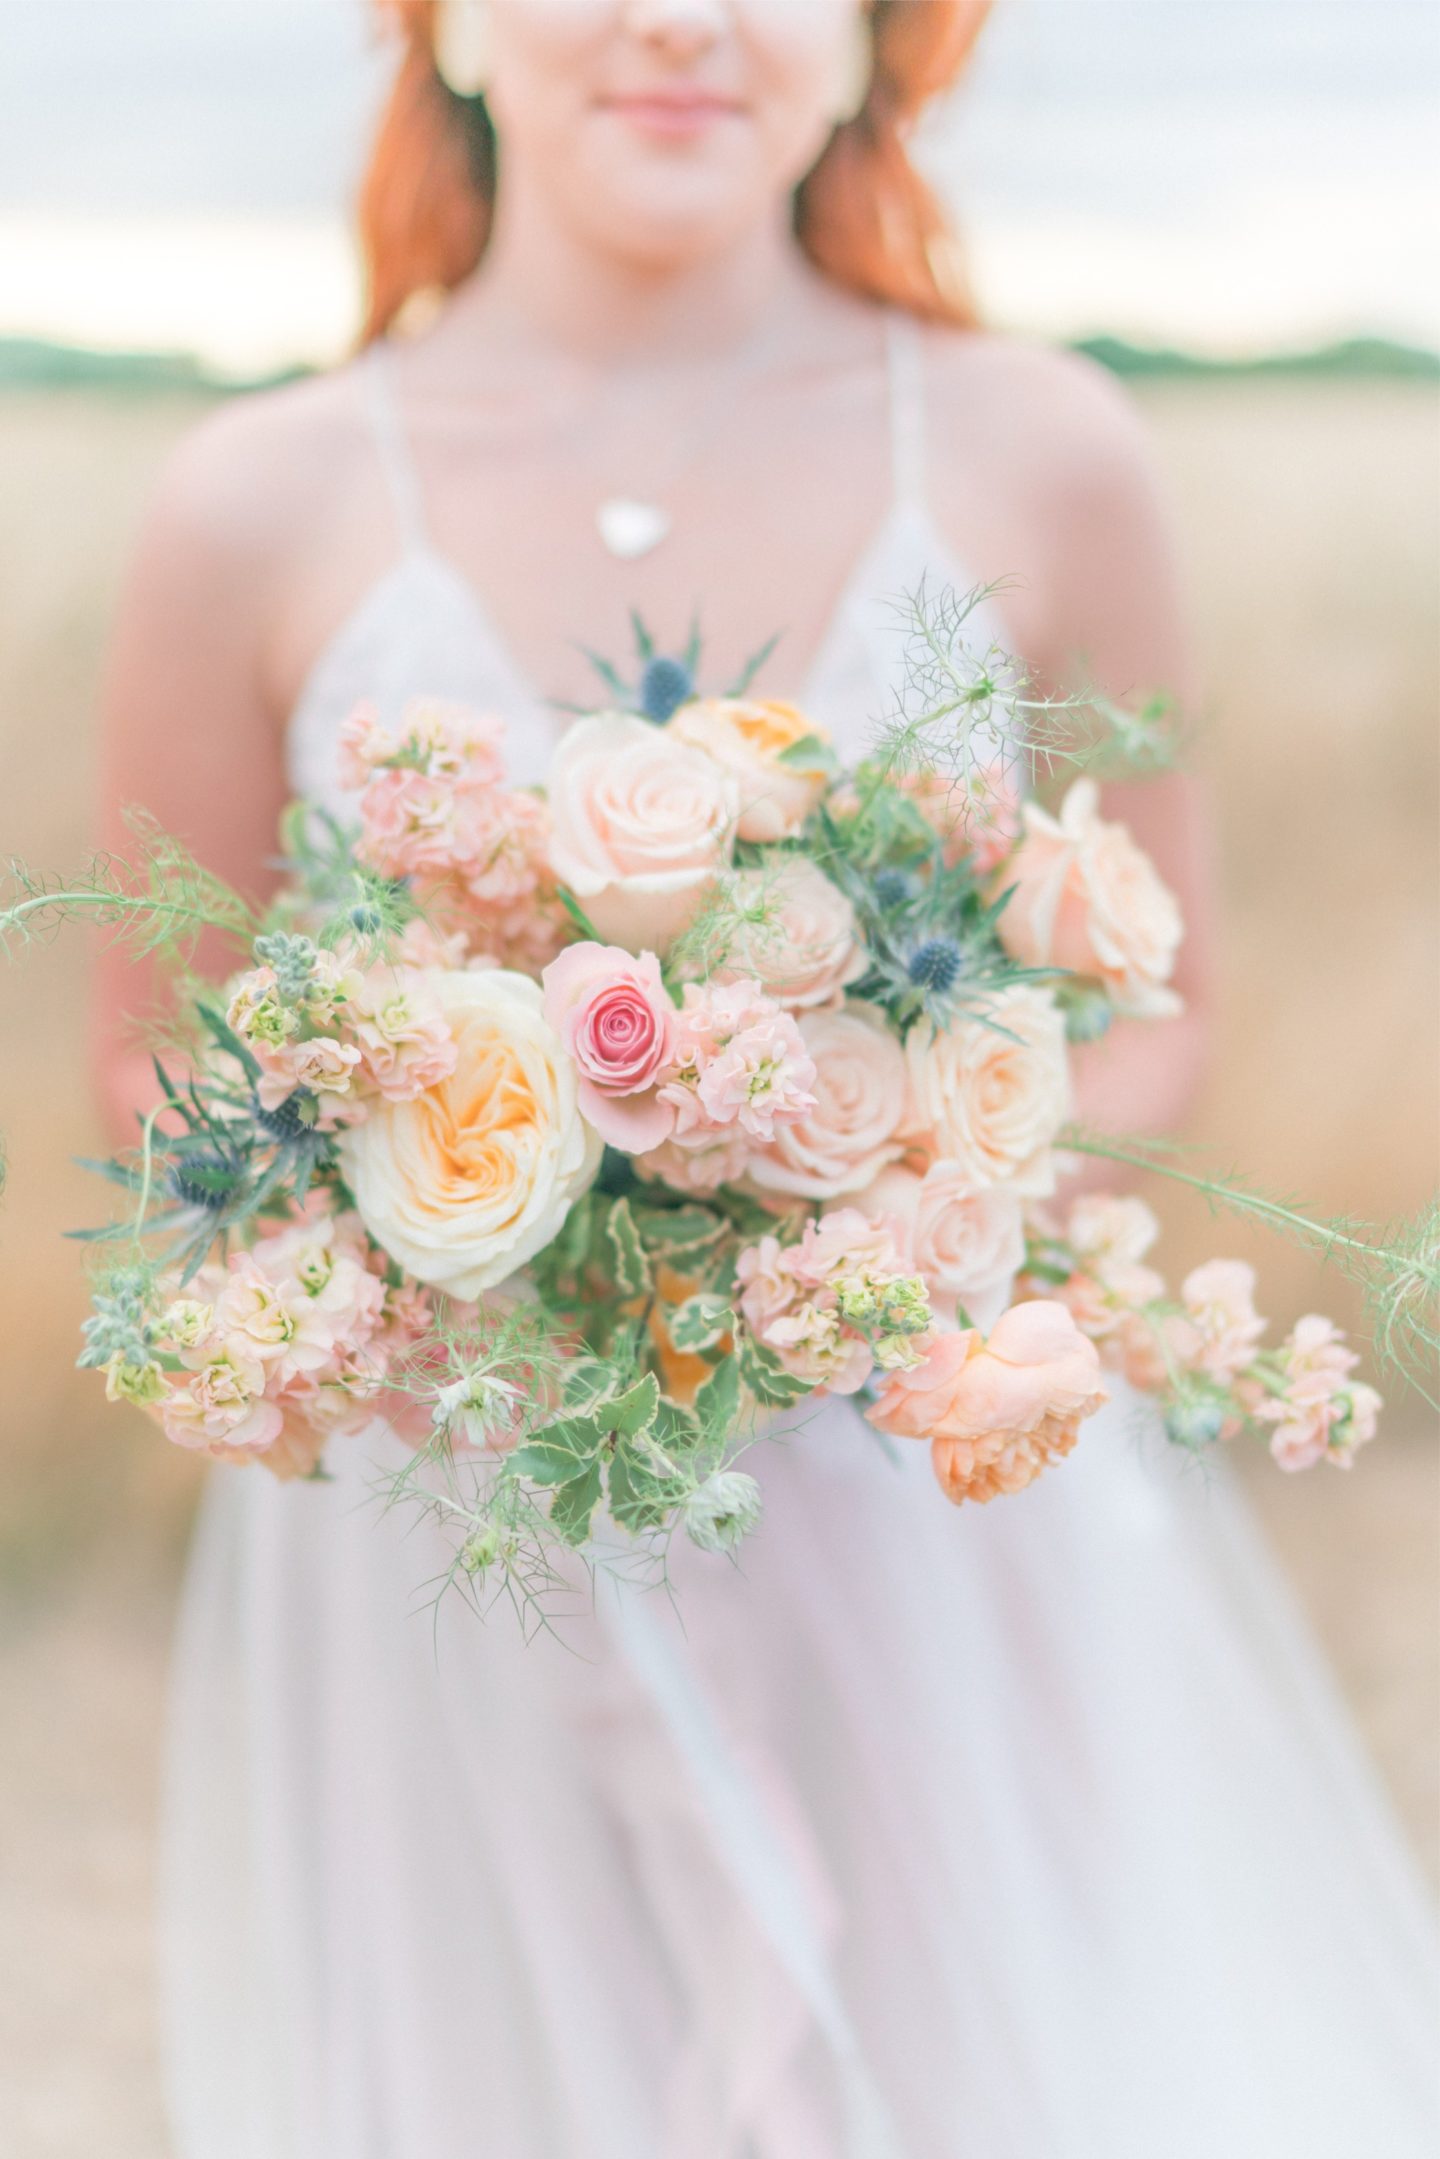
{"x": 553, "y": 293}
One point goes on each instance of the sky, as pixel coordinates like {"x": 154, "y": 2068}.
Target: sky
{"x": 1230, "y": 175}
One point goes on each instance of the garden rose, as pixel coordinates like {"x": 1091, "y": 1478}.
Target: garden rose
{"x": 803, "y": 948}
{"x": 469, "y": 1180}
{"x": 996, "y": 1412}
{"x": 749, "y": 736}
{"x": 641, "y": 823}
{"x": 850, "y": 1135}
{"x": 614, "y": 1016}
{"x": 991, "y": 1094}
{"x": 1087, "y": 899}
{"x": 966, "y": 1245}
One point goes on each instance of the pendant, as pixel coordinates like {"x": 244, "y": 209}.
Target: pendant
{"x": 628, "y": 528}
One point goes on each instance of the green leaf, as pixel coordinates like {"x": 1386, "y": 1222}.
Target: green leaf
{"x": 633, "y": 1411}
{"x": 678, "y": 1233}
{"x": 700, "y": 1322}
{"x": 676, "y": 1428}
{"x": 560, "y": 1451}
{"x": 765, "y": 1376}
{"x": 640, "y": 1496}
{"x": 717, "y": 1404}
{"x": 810, "y": 754}
{"x": 228, "y": 1040}
{"x": 573, "y": 1505}
{"x": 632, "y": 1268}
{"x": 644, "y": 642}
{"x": 578, "y": 916}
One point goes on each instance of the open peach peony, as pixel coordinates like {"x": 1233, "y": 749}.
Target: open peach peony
{"x": 996, "y": 1412}
{"x": 466, "y": 1182}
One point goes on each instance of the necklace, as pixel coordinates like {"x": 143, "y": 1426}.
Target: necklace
{"x": 631, "y": 524}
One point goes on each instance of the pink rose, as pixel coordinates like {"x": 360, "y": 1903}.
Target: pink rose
{"x": 802, "y": 947}
{"x": 849, "y": 1136}
{"x": 749, "y": 737}
{"x": 1087, "y": 899}
{"x": 641, "y": 824}
{"x": 967, "y": 1246}
{"x": 614, "y": 1016}
{"x": 997, "y": 1412}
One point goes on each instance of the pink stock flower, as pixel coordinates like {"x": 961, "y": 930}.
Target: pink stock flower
{"x": 403, "y": 1037}
{"x": 1320, "y": 1412}
{"x": 614, "y": 1016}
{"x": 1219, "y": 1301}
{"x": 324, "y": 1065}
{"x": 739, "y": 1070}
{"x": 996, "y": 1412}
{"x": 811, "y": 1303}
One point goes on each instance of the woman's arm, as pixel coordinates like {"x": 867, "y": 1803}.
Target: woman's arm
{"x": 190, "y": 732}
{"x": 1101, "y": 606}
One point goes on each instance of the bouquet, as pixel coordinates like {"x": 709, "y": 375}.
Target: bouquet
{"x": 584, "y": 1134}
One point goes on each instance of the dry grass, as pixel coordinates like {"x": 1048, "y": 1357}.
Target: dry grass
{"x": 1310, "y": 513}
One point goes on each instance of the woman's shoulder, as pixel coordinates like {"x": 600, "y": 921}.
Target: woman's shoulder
{"x": 261, "y": 475}
{"x": 1055, "y": 418}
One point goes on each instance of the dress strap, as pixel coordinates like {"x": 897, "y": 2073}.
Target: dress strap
{"x": 387, "y": 431}
{"x": 905, "y": 362}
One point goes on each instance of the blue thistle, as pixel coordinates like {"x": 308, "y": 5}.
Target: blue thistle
{"x": 664, "y": 686}
{"x": 891, "y": 889}
{"x": 936, "y": 965}
{"x": 198, "y": 1190}
{"x": 289, "y": 1120}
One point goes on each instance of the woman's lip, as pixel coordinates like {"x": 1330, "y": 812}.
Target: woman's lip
{"x": 671, "y": 112}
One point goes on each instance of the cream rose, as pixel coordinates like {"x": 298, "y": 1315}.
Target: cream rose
{"x": 1086, "y": 898}
{"x": 967, "y": 1246}
{"x": 641, "y": 823}
{"x": 990, "y": 1094}
{"x": 467, "y": 1181}
{"x": 802, "y": 947}
{"x": 851, "y": 1134}
{"x": 749, "y": 737}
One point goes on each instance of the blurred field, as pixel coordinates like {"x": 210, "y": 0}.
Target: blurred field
{"x": 1312, "y": 521}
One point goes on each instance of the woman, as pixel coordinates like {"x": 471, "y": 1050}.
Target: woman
{"x": 1034, "y": 1833}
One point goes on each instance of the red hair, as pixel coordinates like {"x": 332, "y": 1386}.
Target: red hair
{"x": 863, "y": 214}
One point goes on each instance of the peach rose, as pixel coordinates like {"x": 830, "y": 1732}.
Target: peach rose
{"x": 997, "y": 1412}
{"x": 1087, "y": 899}
{"x": 850, "y": 1135}
{"x": 966, "y": 1246}
{"x": 469, "y": 1180}
{"x": 802, "y": 948}
{"x": 641, "y": 822}
{"x": 990, "y": 1094}
{"x": 749, "y": 737}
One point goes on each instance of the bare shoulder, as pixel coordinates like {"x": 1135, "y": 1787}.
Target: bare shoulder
{"x": 1041, "y": 471}
{"x": 256, "y": 478}
{"x": 1055, "y": 424}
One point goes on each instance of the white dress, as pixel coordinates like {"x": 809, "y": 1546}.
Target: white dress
{"x": 1030, "y": 1832}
